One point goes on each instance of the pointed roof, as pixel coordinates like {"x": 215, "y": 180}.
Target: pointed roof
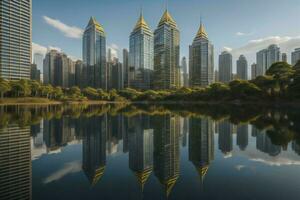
{"x": 143, "y": 176}
{"x": 202, "y": 32}
{"x": 169, "y": 184}
{"x": 141, "y": 23}
{"x": 167, "y": 18}
{"x": 93, "y": 22}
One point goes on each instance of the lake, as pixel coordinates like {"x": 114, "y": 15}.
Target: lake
{"x": 149, "y": 152}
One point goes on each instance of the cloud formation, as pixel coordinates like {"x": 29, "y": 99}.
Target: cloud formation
{"x": 68, "y": 31}
{"x": 114, "y": 50}
{"x": 240, "y": 34}
{"x": 37, "y": 48}
{"x": 69, "y": 168}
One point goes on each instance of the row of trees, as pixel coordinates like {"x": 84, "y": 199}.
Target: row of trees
{"x": 281, "y": 82}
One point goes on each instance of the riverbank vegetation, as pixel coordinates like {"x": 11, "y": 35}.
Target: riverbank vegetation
{"x": 281, "y": 83}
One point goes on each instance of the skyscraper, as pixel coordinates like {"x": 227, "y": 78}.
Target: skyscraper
{"x": 284, "y": 57}
{"x": 266, "y": 57}
{"x": 242, "y": 68}
{"x": 78, "y": 73}
{"x": 141, "y": 55}
{"x": 94, "y": 55}
{"x": 225, "y": 67}
{"x": 49, "y": 66}
{"x": 295, "y": 56}
{"x": 15, "y": 39}
{"x": 166, "y": 53}
{"x": 38, "y": 60}
{"x": 126, "y": 67}
{"x": 201, "y": 60}
{"x": 253, "y": 71}
{"x": 34, "y": 73}
{"x": 115, "y": 75}
{"x": 185, "y": 73}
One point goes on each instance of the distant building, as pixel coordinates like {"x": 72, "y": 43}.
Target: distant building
{"x": 253, "y": 71}
{"x": 166, "y": 53}
{"x": 49, "y": 66}
{"x": 141, "y": 55}
{"x": 242, "y": 68}
{"x": 266, "y": 57}
{"x": 185, "y": 73}
{"x": 126, "y": 67}
{"x": 79, "y": 79}
{"x": 295, "y": 56}
{"x": 15, "y": 39}
{"x": 38, "y": 60}
{"x": 35, "y": 74}
{"x": 284, "y": 57}
{"x": 115, "y": 78}
{"x": 201, "y": 60}
{"x": 94, "y": 55}
{"x": 216, "y": 76}
{"x": 225, "y": 67}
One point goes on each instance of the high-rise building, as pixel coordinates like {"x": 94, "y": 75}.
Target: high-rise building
{"x": 126, "y": 67}
{"x": 166, "y": 53}
{"x": 78, "y": 74}
{"x": 266, "y": 57}
{"x": 295, "y": 56}
{"x": 184, "y": 72}
{"x": 242, "y": 68}
{"x": 141, "y": 55}
{"x": 201, "y": 60}
{"x": 35, "y": 73}
{"x": 115, "y": 75}
{"x": 225, "y": 67}
{"x": 15, "y": 162}
{"x": 253, "y": 71}
{"x": 59, "y": 70}
{"x": 38, "y": 60}
{"x": 94, "y": 55}
{"x": 284, "y": 57}
{"x": 201, "y": 144}
{"x": 15, "y": 39}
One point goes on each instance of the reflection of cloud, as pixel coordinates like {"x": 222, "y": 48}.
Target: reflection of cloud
{"x": 71, "y": 167}
{"x": 240, "y": 167}
{"x": 274, "y": 161}
{"x": 228, "y": 155}
{"x": 68, "y": 31}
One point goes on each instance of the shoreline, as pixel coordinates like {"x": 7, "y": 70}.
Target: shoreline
{"x": 32, "y": 101}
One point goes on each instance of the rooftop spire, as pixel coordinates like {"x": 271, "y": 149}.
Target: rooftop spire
{"x": 141, "y": 23}
{"x": 93, "y": 22}
{"x": 167, "y": 18}
{"x": 201, "y": 32}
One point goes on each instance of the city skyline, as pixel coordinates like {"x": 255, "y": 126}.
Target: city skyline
{"x": 234, "y": 35}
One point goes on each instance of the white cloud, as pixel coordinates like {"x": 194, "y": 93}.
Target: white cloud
{"x": 240, "y": 34}
{"x": 69, "y": 168}
{"x": 240, "y": 167}
{"x": 68, "y": 31}
{"x": 114, "y": 50}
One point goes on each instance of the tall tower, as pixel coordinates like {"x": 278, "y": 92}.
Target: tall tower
{"x": 242, "y": 68}
{"x": 141, "y": 55}
{"x": 15, "y": 39}
{"x": 225, "y": 67}
{"x": 166, "y": 53}
{"x": 201, "y": 60}
{"x": 94, "y": 55}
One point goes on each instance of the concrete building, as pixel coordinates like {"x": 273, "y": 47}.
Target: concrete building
{"x": 225, "y": 67}
{"x": 38, "y": 60}
{"x": 242, "y": 68}
{"x": 184, "y": 73}
{"x": 94, "y": 55}
{"x": 266, "y": 57}
{"x": 15, "y": 39}
{"x": 166, "y": 53}
{"x": 79, "y": 81}
{"x": 253, "y": 71}
{"x": 295, "y": 56}
{"x": 115, "y": 77}
{"x": 35, "y": 73}
{"x": 126, "y": 68}
{"x": 201, "y": 60}
{"x": 141, "y": 55}
{"x": 284, "y": 57}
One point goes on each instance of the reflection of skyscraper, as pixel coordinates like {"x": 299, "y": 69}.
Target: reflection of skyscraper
{"x": 115, "y": 132}
{"x": 185, "y": 131}
{"x": 264, "y": 144}
{"x": 15, "y": 163}
{"x": 166, "y": 151}
{"x": 201, "y": 144}
{"x": 242, "y": 136}
{"x": 94, "y": 148}
{"x": 225, "y": 136}
{"x": 140, "y": 148}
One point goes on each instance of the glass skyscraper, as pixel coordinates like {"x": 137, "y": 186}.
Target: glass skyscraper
{"x": 15, "y": 39}
{"x": 225, "y": 67}
{"x": 266, "y": 57}
{"x": 242, "y": 68}
{"x": 201, "y": 60}
{"x": 94, "y": 55}
{"x": 141, "y": 55}
{"x": 166, "y": 53}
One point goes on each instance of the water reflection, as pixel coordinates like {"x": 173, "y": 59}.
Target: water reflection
{"x": 152, "y": 142}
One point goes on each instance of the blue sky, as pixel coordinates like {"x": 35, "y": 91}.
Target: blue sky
{"x": 242, "y": 26}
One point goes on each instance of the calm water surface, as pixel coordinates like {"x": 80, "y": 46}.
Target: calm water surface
{"x": 112, "y": 152}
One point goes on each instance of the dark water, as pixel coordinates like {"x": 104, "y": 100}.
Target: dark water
{"x": 149, "y": 152}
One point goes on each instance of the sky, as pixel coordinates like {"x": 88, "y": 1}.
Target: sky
{"x": 240, "y": 26}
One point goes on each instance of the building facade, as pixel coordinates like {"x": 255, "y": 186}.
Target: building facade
{"x": 166, "y": 53}
{"x": 201, "y": 60}
{"x": 115, "y": 75}
{"x": 15, "y": 37}
{"x": 225, "y": 67}
{"x": 94, "y": 55}
{"x": 35, "y": 73}
{"x": 141, "y": 55}
{"x": 253, "y": 71}
{"x": 242, "y": 68}
{"x": 295, "y": 56}
{"x": 266, "y": 57}
{"x": 184, "y": 73}
{"x": 126, "y": 67}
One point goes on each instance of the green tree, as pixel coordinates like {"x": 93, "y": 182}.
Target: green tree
{"x": 4, "y": 87}
{"x": 57, "y": 93}
{"x": 91, "y": 93}
{"x": 20, "y": 88}
{"x": 75, "y": 92}
{"x": 241, "y": 89}
{"x": 46, "y": 91}
{"x": 35, "y": 87}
